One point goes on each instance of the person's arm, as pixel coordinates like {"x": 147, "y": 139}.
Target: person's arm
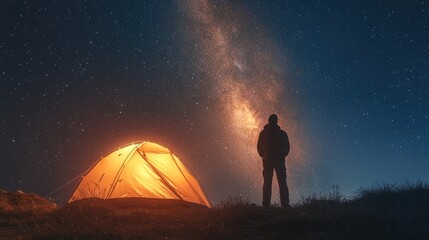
{"x": 286, "y": 145}
{"x": 260, "y": 145}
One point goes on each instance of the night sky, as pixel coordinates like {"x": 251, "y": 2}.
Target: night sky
{"x": 348, "y": 79}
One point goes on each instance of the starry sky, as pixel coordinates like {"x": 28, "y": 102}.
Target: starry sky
{"x": 348, "y": 79}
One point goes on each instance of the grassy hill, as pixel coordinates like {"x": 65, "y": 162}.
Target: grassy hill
{"x": 384, "y": 212}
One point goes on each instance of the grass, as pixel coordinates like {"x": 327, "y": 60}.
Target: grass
{"x": 381, "y": 212}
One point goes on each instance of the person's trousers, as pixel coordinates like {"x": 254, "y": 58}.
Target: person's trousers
{"x": 279, "y": 166}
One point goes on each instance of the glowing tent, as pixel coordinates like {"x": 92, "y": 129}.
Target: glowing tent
{"x": 142, "y": 169}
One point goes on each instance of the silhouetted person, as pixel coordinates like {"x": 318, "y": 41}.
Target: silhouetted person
{"x": 273, "y": 147}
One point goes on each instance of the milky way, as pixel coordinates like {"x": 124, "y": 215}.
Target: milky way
{"x": 248, "y": 84}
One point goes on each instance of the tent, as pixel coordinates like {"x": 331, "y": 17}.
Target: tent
{"x": 142, "y": 169}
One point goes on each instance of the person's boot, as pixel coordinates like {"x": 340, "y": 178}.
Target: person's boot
{"x": 286, "y": 206}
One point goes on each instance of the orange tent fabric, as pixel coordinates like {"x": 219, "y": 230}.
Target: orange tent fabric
{"x": 142, "y": 169}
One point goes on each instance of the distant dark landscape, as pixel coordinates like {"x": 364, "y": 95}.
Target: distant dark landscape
{"x": 382, "y": 212}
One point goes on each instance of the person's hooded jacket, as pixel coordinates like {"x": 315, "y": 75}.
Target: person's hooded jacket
{"x": 273, "y": 143}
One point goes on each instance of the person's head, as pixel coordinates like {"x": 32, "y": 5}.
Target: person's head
{"x": 273, "y": 119}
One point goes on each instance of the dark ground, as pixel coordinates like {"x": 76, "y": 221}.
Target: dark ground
{"x": 384, "y": 212}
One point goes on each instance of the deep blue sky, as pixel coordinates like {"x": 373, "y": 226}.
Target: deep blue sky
{"x": 80, "y": 78}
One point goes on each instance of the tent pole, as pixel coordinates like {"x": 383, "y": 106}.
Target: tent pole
{"x": 195, "y": 191}
{"x": 116, "y": 179}
{"x": 160, "y": 175}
